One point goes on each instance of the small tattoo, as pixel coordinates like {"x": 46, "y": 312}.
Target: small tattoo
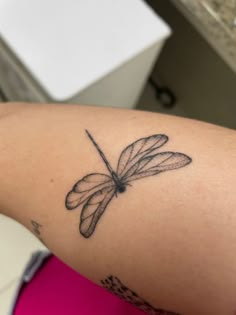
{"x": 138, "y": 160}
{"x": 114, "y": 285}
{"x": 37, "y": 229}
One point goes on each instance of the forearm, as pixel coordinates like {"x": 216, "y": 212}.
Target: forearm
{"x": 170, "y": 236}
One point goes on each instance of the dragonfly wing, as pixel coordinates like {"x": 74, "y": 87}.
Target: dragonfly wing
{"x": 86, "y": 187}
{"x": 154, "y": 164}
{"x": 93, "y": 209}
{"x": 138, "y": 150}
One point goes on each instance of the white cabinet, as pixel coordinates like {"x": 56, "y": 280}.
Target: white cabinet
{"x": 96, "y": 52}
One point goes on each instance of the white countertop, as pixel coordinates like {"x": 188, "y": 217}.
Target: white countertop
{"x": 68, "y": 45}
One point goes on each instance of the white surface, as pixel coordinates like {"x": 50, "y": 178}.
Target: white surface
{"x": 16, "y": 246}
{"x": 70, "y": 44}
{"x": 122, "y": 88}
{"x": 7, "y": 296}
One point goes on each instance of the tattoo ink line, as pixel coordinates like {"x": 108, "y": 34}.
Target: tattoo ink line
{"x": 36, "y": 229}
{"x": 111, "y": 171}
{"x": 138, "y": 160}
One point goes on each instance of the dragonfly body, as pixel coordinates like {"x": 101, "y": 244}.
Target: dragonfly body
{"x": 120, "y": 187}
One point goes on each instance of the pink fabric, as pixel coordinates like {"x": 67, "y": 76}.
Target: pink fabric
{"x": 57, "y": 289}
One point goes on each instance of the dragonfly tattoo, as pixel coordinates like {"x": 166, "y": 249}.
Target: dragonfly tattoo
{"x": 138, "y": 160}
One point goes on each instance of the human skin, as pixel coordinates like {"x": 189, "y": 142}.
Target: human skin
{"x": 170, "y": 237}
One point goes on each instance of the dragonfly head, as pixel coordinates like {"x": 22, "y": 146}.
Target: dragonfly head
{"x": 121, "y": 188}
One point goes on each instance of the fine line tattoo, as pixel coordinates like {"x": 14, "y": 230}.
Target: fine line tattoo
{"x": 115, "y": 286}
{"x": 37, "y": 229}
{"x": 139, "y": 159}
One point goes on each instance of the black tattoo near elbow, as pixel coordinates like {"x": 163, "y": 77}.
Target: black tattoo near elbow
{"x": 138, "y": 160}
{"x": 115, "y": 286}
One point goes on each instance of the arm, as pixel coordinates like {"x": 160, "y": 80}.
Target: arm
{"x": 169, "y": 237}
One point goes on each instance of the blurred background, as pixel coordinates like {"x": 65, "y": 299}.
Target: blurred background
{"x": 172, "y": 56}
